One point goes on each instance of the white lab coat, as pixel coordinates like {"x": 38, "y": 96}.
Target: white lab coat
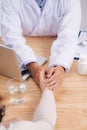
{"x": 59, "y": 17}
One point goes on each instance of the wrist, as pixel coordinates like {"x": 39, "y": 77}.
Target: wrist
{"x": 61, "y": 68}
{"x": 32, "y": 66}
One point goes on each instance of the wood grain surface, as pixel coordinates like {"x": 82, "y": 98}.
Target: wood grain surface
{"x": 70, "y": 96}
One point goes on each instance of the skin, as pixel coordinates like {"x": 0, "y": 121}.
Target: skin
{"x": 35, "y": 70}
{"x": 7, "y": 123}
{"x": 43, "y": 86}
{"x": 46, "y": 79}
{"x": 53, "y": 75}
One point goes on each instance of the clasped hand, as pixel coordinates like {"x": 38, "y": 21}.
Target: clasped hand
{"x": 53, "y": 76}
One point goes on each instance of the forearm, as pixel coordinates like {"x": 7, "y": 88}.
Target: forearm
{"x": 32, "y": 66}
{"x": 46, "y": 107}
{"x": 12, "y": 32}
{"x": 64, "y": 47}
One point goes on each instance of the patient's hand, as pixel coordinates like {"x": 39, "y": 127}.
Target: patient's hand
{"x": 7, "y": 123}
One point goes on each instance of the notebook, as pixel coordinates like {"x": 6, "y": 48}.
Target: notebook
{"x": 12, "y": 66}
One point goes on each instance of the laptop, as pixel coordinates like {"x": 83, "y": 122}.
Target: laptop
{"x": 12, "y": 66}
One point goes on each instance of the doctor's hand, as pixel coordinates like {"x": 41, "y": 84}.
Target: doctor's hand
{"x": 54, "y": 77}
{"x": 35, "y": 69}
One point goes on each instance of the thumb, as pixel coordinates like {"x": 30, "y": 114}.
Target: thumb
{"x": 42, "y": 81}
{"x": 41, "y": 76}
{"x": 50, "y": 72}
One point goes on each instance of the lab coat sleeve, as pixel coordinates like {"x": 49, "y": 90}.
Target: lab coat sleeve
{"x": 63, "y": 48}
{"x": 11, "y": 31}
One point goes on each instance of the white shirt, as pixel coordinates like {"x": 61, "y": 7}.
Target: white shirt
{"x": 41, "y": 4}
{"x": 59, "y": 17}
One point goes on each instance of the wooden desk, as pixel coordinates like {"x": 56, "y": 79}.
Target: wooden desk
{"x": 71, "y": 95}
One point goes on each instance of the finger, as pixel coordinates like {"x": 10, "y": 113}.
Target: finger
{"x": 50, "y": 79}
{"x": 55, "y": 85}
{"x": 45, "y": 77}
{"x": 54, "y": 88}
{"x": 41, "y": 76}
{"x": 51, "y": 83}
{"x": 41, "y": 79}
{"x": 54, "y": 77}
{"x": 43, "y": 71}
{"x": 6, "y": 124}
{"x": 50, "y": 72}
